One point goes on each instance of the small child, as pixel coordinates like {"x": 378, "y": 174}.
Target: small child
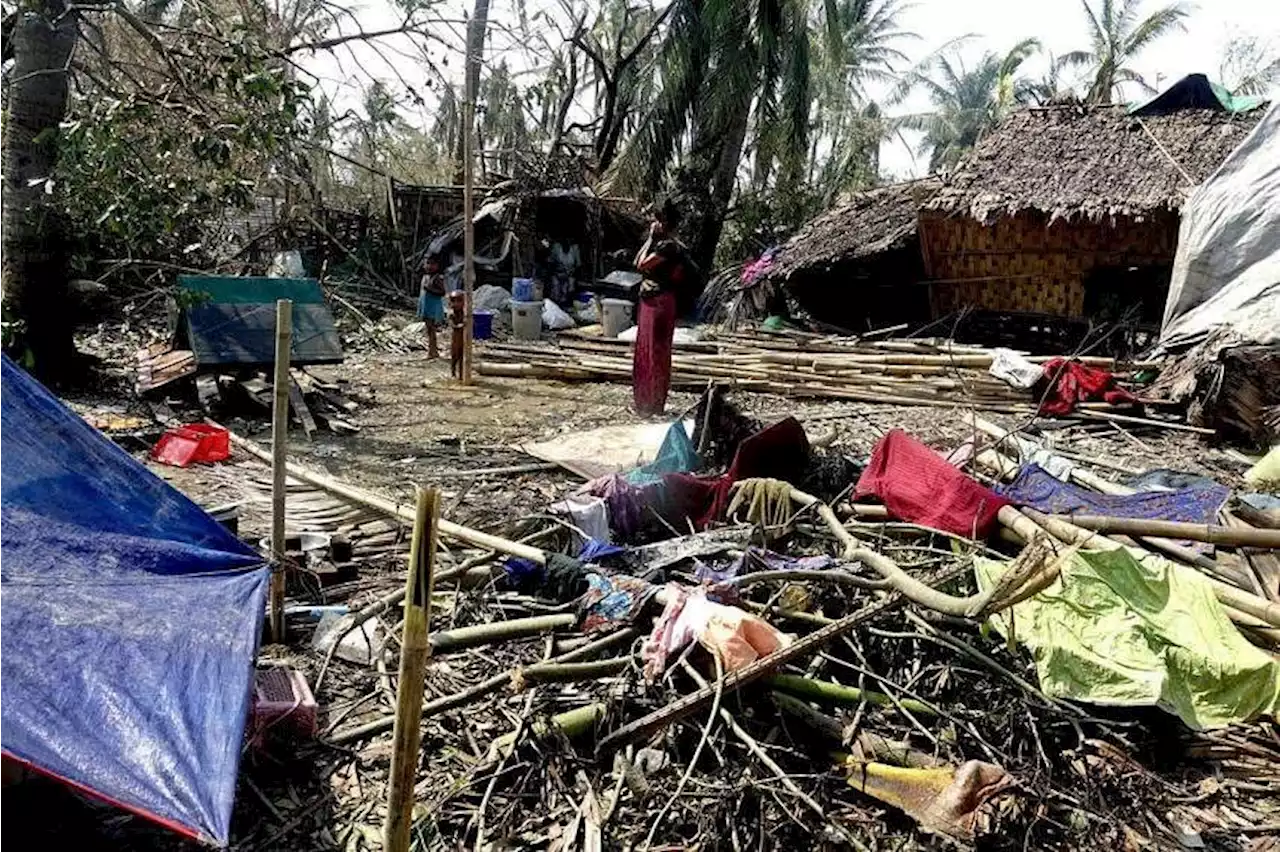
{"x": 458, "y": 324}
{"x": 431, "y": 303}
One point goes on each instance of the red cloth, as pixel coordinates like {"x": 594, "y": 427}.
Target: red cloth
{"x": 780, "y": 451}
{"x": 651, "y": 364}
{"x": 918, "y": 485}
{"x": 1077, "y": 383}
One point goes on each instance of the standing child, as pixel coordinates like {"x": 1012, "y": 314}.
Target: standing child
{"x": 457, "y": 326}
{"x": 431, "y": 303}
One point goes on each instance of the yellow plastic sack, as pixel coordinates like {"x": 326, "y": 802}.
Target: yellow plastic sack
{"x": 1265, "y": 475}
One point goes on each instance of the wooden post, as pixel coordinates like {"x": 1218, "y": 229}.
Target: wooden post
{"x": 468, "y": 187}
{"x": 415, "y": 648}
{"x": 279, "y": 444}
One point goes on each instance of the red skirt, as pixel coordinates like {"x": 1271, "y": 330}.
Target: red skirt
{"x": 651, "y": 365}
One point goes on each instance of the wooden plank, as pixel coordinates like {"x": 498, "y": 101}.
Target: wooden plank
{"x": 299, "y": 405}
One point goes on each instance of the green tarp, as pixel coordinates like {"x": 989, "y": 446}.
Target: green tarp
{"x": 1122, "y": 630}
{"x": 230, "y": 321}
{"x": 676, "y": 455}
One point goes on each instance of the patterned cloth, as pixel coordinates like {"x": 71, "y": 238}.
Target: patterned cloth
{"x": 1037, "y": 488}
{"x": 612, "y": 602}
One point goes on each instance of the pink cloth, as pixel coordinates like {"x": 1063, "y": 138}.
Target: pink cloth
{"x": 918, "y": 485}
{"x": 736, "y": 637}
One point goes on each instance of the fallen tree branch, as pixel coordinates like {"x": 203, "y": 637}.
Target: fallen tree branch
{"x": 493, "y": 684}
{"x": 1034, "y": 569}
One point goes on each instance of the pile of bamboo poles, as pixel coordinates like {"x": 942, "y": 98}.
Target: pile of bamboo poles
{"x": 905, "y": 372}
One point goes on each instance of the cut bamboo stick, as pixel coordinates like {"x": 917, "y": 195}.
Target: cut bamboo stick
{"x": 414, "y": 649}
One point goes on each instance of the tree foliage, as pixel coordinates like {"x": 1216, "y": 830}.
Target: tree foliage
{"x": 967, "y": 101}
{"x": 1250, "y": 65}
{"x": 1116, "y": 37}
{"x": 157, "y": 167}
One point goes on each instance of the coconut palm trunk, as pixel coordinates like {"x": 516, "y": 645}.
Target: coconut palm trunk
{"x": 34, "y": 263}
{"x": 476, "y": 29}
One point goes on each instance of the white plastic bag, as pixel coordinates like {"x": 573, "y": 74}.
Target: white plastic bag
{"x": 554, "y": 317}
{"x": 1013, "y": 369}
{"x": 286, "y": 264}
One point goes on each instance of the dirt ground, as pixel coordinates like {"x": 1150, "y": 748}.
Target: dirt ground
{"x": 424, "y": 424}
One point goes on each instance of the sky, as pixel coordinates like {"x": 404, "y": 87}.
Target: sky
{"x": 994, "y": 25}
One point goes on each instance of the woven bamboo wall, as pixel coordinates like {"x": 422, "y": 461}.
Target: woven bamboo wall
{"x": 1019, "y": 263}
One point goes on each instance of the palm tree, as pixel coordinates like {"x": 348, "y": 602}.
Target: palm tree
{"x": 858, "y": 47}
{"x": 1117, "y": 37}
{"x": 728, "y": 70}
{"x": 967, "y": 102}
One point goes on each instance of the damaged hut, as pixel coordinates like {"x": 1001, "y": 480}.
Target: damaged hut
{"x": 1073, "y": 211}
{"x": 858, "y": 265}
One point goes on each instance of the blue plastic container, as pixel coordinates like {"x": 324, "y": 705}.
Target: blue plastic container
{"x": 481, "y": 325}
{"x": 522, "y": 289}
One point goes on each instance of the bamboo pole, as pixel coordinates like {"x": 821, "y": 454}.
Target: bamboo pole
{"x": 415, "y": 648}
{"x": 279, "y": 446}
{"x": 468, "y": 203}
{"x": 378, "y": 503}
{"x": 493, "y": 684}
{"x": 1229, "y": 536}
{"x": 837, "y": 693}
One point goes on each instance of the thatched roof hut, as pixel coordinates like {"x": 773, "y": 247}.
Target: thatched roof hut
{"x": 1073, "y": 161}
{"x": 839, "y": 265}
{"x": 1072, "y": 211}
{"x": 868, "y": 223}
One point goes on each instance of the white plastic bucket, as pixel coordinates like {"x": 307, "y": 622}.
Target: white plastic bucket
{"x": 526, "y": 320}
{"x": 615, "y": 316}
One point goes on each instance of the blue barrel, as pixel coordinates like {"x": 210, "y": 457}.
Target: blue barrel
{"x": 482, "y": 325}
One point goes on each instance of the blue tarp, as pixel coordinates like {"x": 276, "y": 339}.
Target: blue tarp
{"x": 130, "y": 622}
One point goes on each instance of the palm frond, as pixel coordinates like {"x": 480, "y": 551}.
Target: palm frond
{"x": 1159, "y": 23}
{"x": 1076, "y": 59}
{"x": 1097, "y": 33}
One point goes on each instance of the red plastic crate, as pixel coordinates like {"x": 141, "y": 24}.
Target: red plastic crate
{"x": 282, "y": 703}
{"x": 195, "y": 442}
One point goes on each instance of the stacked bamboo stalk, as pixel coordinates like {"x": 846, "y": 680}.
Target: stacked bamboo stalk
{"x": 904, "y": 372}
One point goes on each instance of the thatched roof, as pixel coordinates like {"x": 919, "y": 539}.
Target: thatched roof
{"x": 868, "y": 223}
{"x": 1074, "y": 161}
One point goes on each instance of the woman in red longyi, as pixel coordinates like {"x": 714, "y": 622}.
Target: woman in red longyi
{"x": 664, "y": 262}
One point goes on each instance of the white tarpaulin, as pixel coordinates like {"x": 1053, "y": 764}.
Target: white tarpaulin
{"x": 1227, "y": 269}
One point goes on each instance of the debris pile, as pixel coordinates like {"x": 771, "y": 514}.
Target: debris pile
{"x": 783, "y": 668}
{"x": 818, "y": 628}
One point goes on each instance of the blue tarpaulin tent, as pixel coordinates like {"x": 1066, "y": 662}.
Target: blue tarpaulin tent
{"x": 130, "y": 622}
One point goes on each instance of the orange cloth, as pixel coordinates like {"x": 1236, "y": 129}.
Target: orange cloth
{"x": 736, "y": 637}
